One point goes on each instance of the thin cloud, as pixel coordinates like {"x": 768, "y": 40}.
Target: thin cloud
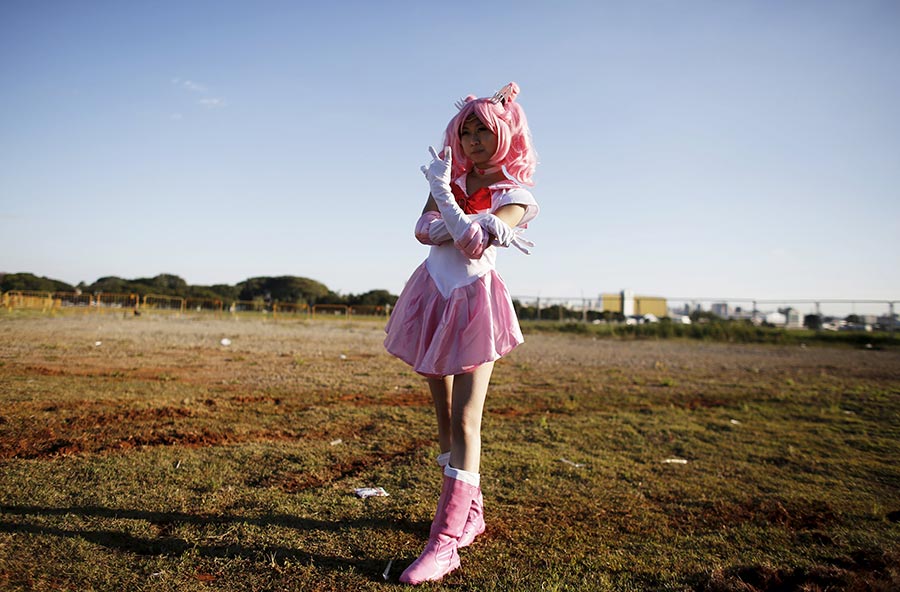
{"x": 190, "y": 85}
{"x": 212, "y": 103}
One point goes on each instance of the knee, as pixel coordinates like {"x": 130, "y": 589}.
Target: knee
{"x": 466, "y": 428}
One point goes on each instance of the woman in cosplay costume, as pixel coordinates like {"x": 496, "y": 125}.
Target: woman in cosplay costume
{"x": 455, "y": 317}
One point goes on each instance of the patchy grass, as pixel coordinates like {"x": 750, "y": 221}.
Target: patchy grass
{"x": 161, "y": 460}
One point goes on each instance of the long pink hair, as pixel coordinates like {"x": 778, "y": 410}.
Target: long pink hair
{"x": 504, "y": 118}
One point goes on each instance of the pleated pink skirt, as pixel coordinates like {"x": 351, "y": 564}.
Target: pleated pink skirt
{"x": 442, "y": 336}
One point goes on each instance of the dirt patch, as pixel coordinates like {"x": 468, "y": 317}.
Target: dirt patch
{"x": 294, "y": 481}
{"x": 866, "y": 571}
{"x": 256, "y": 399}
{"x": 530, "y": 406}
{"x": 699, "y": 403}
{"x": 45, "y": 446}
{"x": 394, "y": 399}
{"x": 795, "y": 516}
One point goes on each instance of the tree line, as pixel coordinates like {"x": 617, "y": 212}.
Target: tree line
{"x": 284, "y": 289}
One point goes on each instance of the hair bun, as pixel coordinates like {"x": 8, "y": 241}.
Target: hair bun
{"x": 513, "y": 91}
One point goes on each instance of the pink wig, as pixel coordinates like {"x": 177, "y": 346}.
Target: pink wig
{"x": 505, "y": 118}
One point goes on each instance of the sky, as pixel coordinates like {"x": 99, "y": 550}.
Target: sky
{"x": 687, "y": 148}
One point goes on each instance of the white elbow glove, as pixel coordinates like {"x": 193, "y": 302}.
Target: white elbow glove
{"x": 505, "y": 235}
{"x": 502, "y": 232}
{"x": 468, "y": 236}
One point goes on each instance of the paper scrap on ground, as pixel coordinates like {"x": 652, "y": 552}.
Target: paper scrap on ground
{"x": 675, "y": 461}
{"x": 336, "y": 442}
{"x": 365, "y": 492}
{"x": 735, "y": 422}
{"x": 574, "y": 464}
{"x": 225, "y": 341}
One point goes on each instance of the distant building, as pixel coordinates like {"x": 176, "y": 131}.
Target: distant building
{"x": 776, "y": 318}
{"x": 741, "y": 314}
{"x": 627, "y": 304}
{"x": 794, "y": 319}
{"x": 720, "y": 309}
{"x": 789, "y": 318}
{"x": 886, "y": 322}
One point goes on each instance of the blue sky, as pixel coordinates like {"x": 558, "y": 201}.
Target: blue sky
{"x": 743, "y": 149}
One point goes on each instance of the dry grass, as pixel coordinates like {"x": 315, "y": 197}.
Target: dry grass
{"x": 161, "y": 460}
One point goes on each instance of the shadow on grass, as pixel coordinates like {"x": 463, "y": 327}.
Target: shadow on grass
{"x": 168, "y": 545}
{"x": 872, "y": 570}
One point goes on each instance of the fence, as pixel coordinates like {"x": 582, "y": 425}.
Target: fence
{"x": 823, "y": 313}
{"x": 290, "y": 311}
{"x": 55, "y": 301}
{"x": 154, "y": 302}
{"x": 331, "y": 309}
{"x": 203, "y": 305}
{"x": 819, "y": 313}
{"x": 112, "y": 302}
{"x": 162, "y": 304}
{"x": 369, "y": 310}
{"x": 28, "y": 299}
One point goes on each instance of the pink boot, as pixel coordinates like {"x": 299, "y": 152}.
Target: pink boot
{"x": 440, "y": 557}
{"x": 475, "y": 522}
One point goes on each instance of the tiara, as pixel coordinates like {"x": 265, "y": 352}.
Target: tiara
{"x": 502, "y": 96}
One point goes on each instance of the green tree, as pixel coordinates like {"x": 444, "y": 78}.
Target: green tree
{"x": 286, "y": 288}
{"x": 29, "y": 281}
{"x": 373, "y": 298}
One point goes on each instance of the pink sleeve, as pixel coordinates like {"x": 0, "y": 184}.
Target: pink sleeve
{"x": 422, "y": 227}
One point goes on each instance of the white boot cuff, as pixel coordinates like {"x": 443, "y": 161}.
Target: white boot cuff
{"x": 473, "y": 479}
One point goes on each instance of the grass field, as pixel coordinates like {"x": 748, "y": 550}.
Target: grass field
{"x": 141, "y": 454}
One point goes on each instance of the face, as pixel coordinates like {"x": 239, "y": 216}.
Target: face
{"x": 479, "y": 143}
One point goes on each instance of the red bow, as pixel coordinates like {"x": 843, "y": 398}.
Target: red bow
{"x": 479, "y": 201}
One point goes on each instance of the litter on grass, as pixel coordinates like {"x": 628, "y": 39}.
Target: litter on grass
{"x": 735, "y": 422}
{"x": 387, "y": 570}
{"x": 336, "y": 442}
{"x": 675, "y": 461}
{"x": 573, "y": 464}
{"x": 365, "y": 492}
{"x": 98, "y": 343}
{"x": 225, "y": 341}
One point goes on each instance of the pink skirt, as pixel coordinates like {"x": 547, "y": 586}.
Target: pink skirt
{"x": 441, "y": 336}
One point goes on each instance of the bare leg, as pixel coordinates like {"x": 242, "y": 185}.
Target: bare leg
{"x": 441, "y": 389}
{"x": 469, "y": 392}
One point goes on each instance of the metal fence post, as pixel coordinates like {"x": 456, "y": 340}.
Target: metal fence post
{"x": 893, "y": 320}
